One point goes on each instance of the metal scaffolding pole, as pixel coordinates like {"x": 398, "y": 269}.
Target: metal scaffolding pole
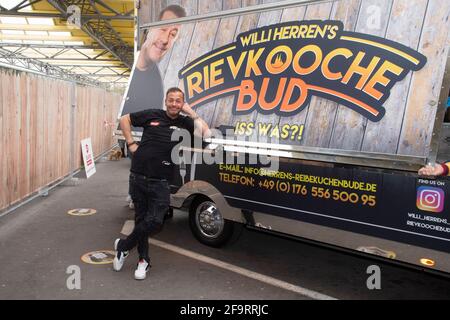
{"x": 15, "y": 12}
{"x": 12, "y": 59}
{"x": 98, "y": 29}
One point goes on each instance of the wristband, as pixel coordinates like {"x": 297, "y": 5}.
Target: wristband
{"x": 130, "y": 144}
{"x": 446, "y": 169}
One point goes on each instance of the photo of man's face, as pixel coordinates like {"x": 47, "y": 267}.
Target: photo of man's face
{"x": 160, "y": 40}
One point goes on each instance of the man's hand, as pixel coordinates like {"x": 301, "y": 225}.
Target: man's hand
{"x": 201, "y": 127}
{"x": 133, "y": 148}
{"x": 125, "y": 126}
{"x": 431, "y": 170}
{"x": 186, "y": 109}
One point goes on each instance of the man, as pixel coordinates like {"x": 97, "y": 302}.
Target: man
{"x": 151, "y": 169}
{"x": 145, "y": 89}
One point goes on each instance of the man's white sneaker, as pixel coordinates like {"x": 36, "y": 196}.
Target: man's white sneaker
{"x": 119, "y": 259}
{"x": 141, "y": 270}
{"x": 130, "y": 202}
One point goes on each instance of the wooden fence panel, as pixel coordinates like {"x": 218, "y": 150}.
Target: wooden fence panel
{"x": 35, "y": 129}
{"x": 4, "y": 138}
{"x": 24, "y": 182}
{"x": 13, "y": 140}
{"x": 2, "y": 146}
{"x": 79, "y": 123}
{"x": 33, "y": 94}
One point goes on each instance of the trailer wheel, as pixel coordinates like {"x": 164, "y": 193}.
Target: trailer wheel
{"x": 208, "y": 225}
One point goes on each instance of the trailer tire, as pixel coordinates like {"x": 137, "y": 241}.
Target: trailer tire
{"x": 208, "y": 225}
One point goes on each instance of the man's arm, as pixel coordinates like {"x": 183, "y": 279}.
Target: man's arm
{"x": 201, "y": 128}
{"x": 435, "y": 170}
{"x": 125, "y": 126}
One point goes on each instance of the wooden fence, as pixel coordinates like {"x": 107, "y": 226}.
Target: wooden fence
{"x": 42, "y": 121}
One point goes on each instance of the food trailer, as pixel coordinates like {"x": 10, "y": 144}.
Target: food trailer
{"x": 322, "y": 113}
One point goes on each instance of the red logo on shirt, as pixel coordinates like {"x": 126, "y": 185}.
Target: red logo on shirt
{"x": 154, "y": 123}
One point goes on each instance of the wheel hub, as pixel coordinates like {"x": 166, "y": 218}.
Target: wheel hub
{"x": 209, "y": 220}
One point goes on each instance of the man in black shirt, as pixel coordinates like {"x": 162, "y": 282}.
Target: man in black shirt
{"x": 146, "y": 89}
{"x": 151, "y": 169}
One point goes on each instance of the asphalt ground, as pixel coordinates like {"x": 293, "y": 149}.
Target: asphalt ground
{"x": 41, "y": 247}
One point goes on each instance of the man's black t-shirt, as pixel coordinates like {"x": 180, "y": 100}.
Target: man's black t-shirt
{"x": 153, "y": 157}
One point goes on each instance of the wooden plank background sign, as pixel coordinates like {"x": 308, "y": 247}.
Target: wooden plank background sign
{"x": 355, "y": 75}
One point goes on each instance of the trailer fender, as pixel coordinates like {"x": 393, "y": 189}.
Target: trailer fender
{"x": 193, "y": 189}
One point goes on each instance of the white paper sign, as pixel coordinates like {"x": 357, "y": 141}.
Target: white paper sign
{"x": 88, "y": 157}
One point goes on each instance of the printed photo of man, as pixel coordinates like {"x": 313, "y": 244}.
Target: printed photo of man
{"x": 146, "y": 86}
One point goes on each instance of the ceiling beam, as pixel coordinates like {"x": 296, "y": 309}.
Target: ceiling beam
{"x": 104, "y": 5}
{"x": 102, "y": 75}
{"x": 43, "y": 14}
{"x": 44, "y": 38}
{"x": 98, "y": 29}
{"x": 20, "y": 5}
{"x": 13, "y": 60}
{"x": 66, "y": 59}
{"x": 91, "y": 66}
{"x": 48, "y": 46}
{"x": 32, "y": 27}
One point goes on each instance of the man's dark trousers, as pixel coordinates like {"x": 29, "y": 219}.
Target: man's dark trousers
{"x": 151, "y": 198}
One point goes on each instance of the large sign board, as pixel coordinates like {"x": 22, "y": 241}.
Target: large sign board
{"x": 352, "y": 75}
{"x": 395, "y": 207}
{"x": 278, "y": 68}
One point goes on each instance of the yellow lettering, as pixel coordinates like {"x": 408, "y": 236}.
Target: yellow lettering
{"x": 194, "y": 86}
{"x": 379, "y": 77}
{"x": 245, "y": 40}
{"x": 363, "y": 71}
{"x": 318, "y": 58}
{"x": 235, "y": 67}
{"x": 278, "y": 66}
{"x": 252, "y": 64}
{"x": 325, "y": 64}
{"x": 215, "y": 73}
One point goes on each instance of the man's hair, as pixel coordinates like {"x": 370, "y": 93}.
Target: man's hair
{"x": 174, "y": 89}
{"x": 176, "y": 9}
